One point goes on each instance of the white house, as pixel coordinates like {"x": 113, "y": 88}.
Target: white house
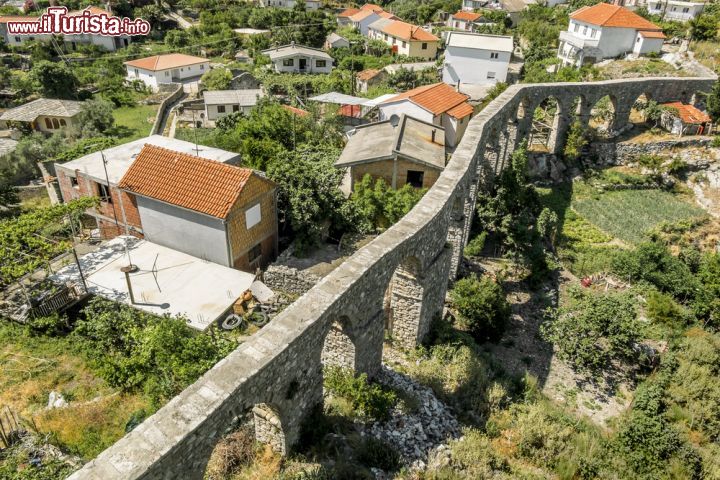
{"x": 463, "y": 20}
{"x": 405, "y": 38}
{"x": 675, "y": 9}
{"x": 439, "y": 104}
{"x": 309, "y": 4}
{"x": 362, "y": 20}
{"x": 476, "y": 59}
{"x": 106, "y": 42}
{"x": 299, "y": 59}
{"x": 472, "y": 5}
{"x": 607, "y": 31}
{"x": 336, "y": 41}
{"x": 173, "y": 67}
{"x": 219, "y": 103}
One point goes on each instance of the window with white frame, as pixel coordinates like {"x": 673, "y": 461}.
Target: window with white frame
{"x": 252, "y": 216}
{"x": 320, "y": 63}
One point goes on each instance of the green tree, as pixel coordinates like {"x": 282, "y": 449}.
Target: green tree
{"x": 481, "y": 306}
{"x": 217, "y": 79}
{"x": 379, "y": 206}
{"x": 54, "y": 79}
{"x": 576, "y": 141}
{"x": 95, "y": 117}
{"x": 713, "y": 102}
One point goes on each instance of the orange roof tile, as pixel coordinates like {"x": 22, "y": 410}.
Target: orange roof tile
{"x": 17, "y": 18}
{"x": 372, "y": 7}
{"x": 297, "y": 111}
{"x": 651, "y": 34}
{"x": 348, "y": 12}
{"x": 362, "y": 14}
{"x": 163, "y": 62}
{"x": 409, "y": 32}
{"x": 688, "y": 113}
{"x": 466, "y": 16}
{"x": 436, "y": 98}
{"x": 92, "y": 9}
{"x": 461, "y": 110}
{"x": 367, "y": 74}
{"x": 388, "y": 15}
{"x": 195, "y": 183}
{"x": 606, "y": 15}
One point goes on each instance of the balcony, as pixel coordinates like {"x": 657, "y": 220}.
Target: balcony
{"x": 578, "y": 41}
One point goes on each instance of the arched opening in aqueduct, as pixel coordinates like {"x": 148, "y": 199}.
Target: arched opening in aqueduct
{"x": 403, "y": 304}
{"x": 544, "y": 128}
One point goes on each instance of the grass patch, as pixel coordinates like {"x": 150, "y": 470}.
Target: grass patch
{"x": 135, "y": 122}
{"x": 189, "y": 134}
{"x": 629, "y": 214}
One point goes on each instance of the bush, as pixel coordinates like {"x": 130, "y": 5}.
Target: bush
{"x": 366, "y": 398}
{"x": 663, "y": 309}
{"x": 475, "y": 457}
{"x": 594, "y": 329}
{"x": 482, "y": 308}
{"x": 51, "y": 325}
{"x": 231, "y": 454}
{"x": 646, "y": 441}
{"x": 377, "y": 453}
{"x": 475, "y": 246}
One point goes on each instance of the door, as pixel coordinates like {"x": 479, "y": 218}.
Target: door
{"x": 175, "y": 74}
{"x": 303, "y": 64}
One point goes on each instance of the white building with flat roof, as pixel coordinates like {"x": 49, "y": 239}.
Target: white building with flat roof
{"x": 476, "y": 59}
{"x": 678, "y": 10}
{"x": 299, "y": 59}
{"x": 219, "y": 103}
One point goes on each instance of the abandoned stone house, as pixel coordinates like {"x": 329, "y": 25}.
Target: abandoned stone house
{"x": 47, "y": 115}
{"x": 242, "y": 234}
{"x": 407, "y": 151}
{"x": 684, "y": 119}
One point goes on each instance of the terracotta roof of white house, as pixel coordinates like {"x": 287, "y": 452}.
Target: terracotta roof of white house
{"x": 606, "y": 15}
{"x": 164, "y": 62}
{"x": 689, "y": 113}
{"x": 437, "y": 98}
{"x": 42, "y": 106}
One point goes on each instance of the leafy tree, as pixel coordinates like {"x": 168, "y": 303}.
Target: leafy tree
{"x": 54, "y": 79}
{"x": 379, "y": 205}
{"x": 217, "y": 79}
{"x": 576, "y": 141}
{"x": 547, "y": 224}
{"x": 594, "y": 329}
{"x": 713, "y": 102}
{"x": 95, "y": 117}
{"x": 482, "y": 308}
{"x": 704, "y": 27}
{"x": 177, "y": 39}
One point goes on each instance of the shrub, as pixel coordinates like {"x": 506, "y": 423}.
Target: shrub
{"x": 231, "y": 454}
{"x": 646, "y": 441}
{"x": 475, "y": 246}
{"x": 662, "y": 308}
{"x": 475, "y": 457}
{"x": 377, "y": 453}
{"x": 593, "y": 329}
{"x": 481, "y": 306}
{"x": 366, "y": 398}
{"x": 51, "y": 325}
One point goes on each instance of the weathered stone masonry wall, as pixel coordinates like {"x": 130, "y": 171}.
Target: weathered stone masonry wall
{"x": 278, "y": 372}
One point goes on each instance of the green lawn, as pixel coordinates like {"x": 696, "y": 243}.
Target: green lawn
{"x": 629, "y": 214}
{"x": 136, "y": 122}
{"x": 189, "y": 134}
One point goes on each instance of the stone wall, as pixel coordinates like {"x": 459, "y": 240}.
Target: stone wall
{"x": 281, "y": 365}
{"x": 618, "y": 153}
{"x": 289, "y": 279}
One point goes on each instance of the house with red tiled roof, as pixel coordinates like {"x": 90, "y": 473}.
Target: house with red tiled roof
{"x": 439, "y": 104}
{"x": 343, "y": 18}
{"x": 208, "y": 209}
{"x": 405, "y": 38}
{"x": 463, "y": 20}
{"x": 105, "y": 42}
{"x": 172, "y": 67}
{"x": 607, "y": 31}
{"x": 368, "y": 78}
{"x": 685, "y": 119}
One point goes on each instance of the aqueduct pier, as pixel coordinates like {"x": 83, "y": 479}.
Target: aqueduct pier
{"x": 277, "y": 373}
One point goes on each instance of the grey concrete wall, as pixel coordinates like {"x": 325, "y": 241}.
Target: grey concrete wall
{"x": 189, "y": 232}
{"x": 280, "y": 367}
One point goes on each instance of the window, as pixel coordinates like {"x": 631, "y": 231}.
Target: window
{"x": 17, "y": 40}
{"x": 63, "y": 123}
{"x": 202, "y": 67}
{"x": 137, "y": 74}
{"x": 674, "y": 9}
{"x": 494, "y": 55}
{"x": 167, "y": 74}
{"x": 415, "y": 178}
{"x": 253, "y": 216}
{"x": 221, "y": 108}
{"x": 320, "y": 63}
{"x": 385, "y": 36}
{"x": 74, "y": 182}
{"x": 404, "y": 44}
{"x": 48, "y": 124}
{"x": 104, "y": 193}
{"x": 236, "y": 108}
{"x": 491, "y": 75}
{"x": 457, "y": 24}
{"x": 576, "y": 27}
{"x": 585, "y": 30}
{"x": 638, "y": 40}
{"x": 255, "y": 253}
{"x": 424, "y": 46}
{"x": 288, "y": 62}
{"x": 686, "y": 10}
{"x": 594, "y": 33}
{"x": 31, "y": 38}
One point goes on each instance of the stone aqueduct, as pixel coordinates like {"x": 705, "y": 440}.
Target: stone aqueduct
{"x": 277, "y": 373}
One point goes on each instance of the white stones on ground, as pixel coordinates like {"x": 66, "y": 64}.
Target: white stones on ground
{"x": 56, "y": 400}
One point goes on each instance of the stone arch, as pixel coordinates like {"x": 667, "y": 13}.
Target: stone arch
{"x": 269, "y": 428}
{"x": 404, "y": 321}
{"x": 604, "y": 116}
{"x": 338, "y": 347}
{"x": 545, "y": 126}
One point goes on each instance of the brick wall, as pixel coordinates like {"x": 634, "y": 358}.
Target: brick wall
{"x": 384, "y": 170}
{"x": 241, "y": 239}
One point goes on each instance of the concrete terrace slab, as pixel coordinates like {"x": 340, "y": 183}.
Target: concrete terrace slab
{"x": 200, "y": 290}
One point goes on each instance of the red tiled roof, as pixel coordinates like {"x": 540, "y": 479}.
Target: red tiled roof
{"x": 362, "y": 14}
{"x": 372, "y": 7}
{"x": 17, "y": 18}
{"x": 195, "y": 183}
{"x": 348, "y": 12}
{"x": 606, "y": 15}
{"x": 436, "y": 98}
{"x": 388, "y": 15}
{"x": 652, "y": 34}
{"x": 409, "y": 32}
{"x": 163, "y": 62}
{"x": 466, "y": 16}
{"x": 461, "y": 110}
{"x": 297, "y": 111}
{"x": 688, "y": 113}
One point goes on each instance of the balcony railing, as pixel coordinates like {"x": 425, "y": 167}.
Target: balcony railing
{"x": 578, "y": 41}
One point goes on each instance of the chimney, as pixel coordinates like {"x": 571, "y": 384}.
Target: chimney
{"x": 292, "y": 44}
